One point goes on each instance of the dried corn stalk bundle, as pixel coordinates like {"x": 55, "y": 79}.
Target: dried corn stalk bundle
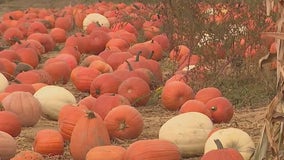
{"x": 271, "y": 142}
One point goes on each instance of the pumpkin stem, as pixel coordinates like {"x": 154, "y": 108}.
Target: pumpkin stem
{"x": 214, "y": 108}
{"x": 218, "y": 144}
{"x": 90, "y": 114}
{"x": 122, "y": 125}
{"x": 129, "y": 65}
{"x": 11, "y": 77}
{"x": 98, "y": 91}
{"x": 138, "y": 56}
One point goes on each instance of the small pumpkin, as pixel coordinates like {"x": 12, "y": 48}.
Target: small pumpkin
{"x": 124, "y": 122}
{"x": 207, "y": 93}
{"x": 231, "y": 138}
{"x": 95, "y": 134}
{"x": 190, "y": 137}
{"x": 108, "y": 152}
{"x": 8, "y": 146}
{"x": 175, "y": 94}
{"x": 195, "y": 106}
{"x": 136, "y": 90}
{"x": 221, "y": 109}
{"x": 48, "y": 142}
{"x": 154, "y": 149}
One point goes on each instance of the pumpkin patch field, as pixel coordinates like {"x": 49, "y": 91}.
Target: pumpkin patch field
{"x": 102, "y": 80}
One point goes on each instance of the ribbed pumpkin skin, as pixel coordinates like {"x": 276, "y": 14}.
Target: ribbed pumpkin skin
{"x": 109, "y": 152}
{"x": 152, "y": 149}
{"x": 10, "y": 123}
{"x": 205, "y": 94}
{"x": 88, "y": 132}
{"x": 124, "y": 122}
{"x": 49, "y": 142}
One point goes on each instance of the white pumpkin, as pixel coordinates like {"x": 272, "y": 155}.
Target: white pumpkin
{"x": 232, "y": 138}
{"x": 95, "y": 18}
{"x": 3, "y": 82}
{"x": 189, "y": 131}
{"x": 52, "y": 99}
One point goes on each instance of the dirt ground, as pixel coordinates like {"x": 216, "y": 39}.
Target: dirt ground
{"x": 249, "y": 119}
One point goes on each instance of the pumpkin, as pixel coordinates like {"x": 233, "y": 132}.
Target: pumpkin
{"x": 8, "y": 67}
{"x": 221, "y": 109}
{"x": 104, "y": 83}
{"x": 195, "y": 106}
{"x": 117, "y": 58}
{"x": 28, "y": 56}
{"x": 190, "y": 137}
{"x": 107, "y": 102}
{"x": 163, "y": 40}
{"x": 95, "y": 18}
{"x": 222, "y": 153}
{"x": 88, "y": 101}
{"x": 25, "y": 105}
{"x": 10, "y": 123}
{"x": 136, "y": 90}
{"x": 8, "y": 146}
{"x": 58, "y": 69}
{"x": 48, "y": 142}
{"x": 52, "y": 98}
{"x": 12, "y": 34}
{"x": 59, "y": 35}
{"x": 36, "y": 27}
{"x": 124, "y": 122}
{"x": 175, "y": 94}
{"x": 3, "y": 82}
{"x": 28, "y": 155}
{"x": 31, "y": 43}
{"x": 101, "y": 66}
{"x": 44, "y": 39}
{"x": 67, "y": 118}
{"x": 88, "y": 132}
{"x": 108, "y": 152}
{"x": 71, "y": 50}
{"x": 178, "y": 52}
{"x": 207, "y": 93}
{"x": 231, "y": 138}
{"x": 154, "y": 149}
{"x": 69, "y": 59}
{"x": 120, "y": 43}
{"x": 64, "y": 22}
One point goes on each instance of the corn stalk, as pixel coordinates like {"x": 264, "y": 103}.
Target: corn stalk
{"x": 271, "y": 142}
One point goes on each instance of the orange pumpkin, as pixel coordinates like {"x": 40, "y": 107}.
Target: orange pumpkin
{"x": 10, "y": 123}
{"x": 95, "y": 134}
{"x": 207, "y": 93}
{"x": 8, "y": 146}
{"x": 195, "y": 106}
{"x": 107, "y": 101}
{"x": 28, "y": 56}
{"x": 178, "y": 52}
{"x": 136, "y": 90}
{"x": 65, "y": 22}
{"x": 221, "y": 109}
{"x": 108, "y": 152}
{"x": 71, "y": 51}
{"x": 88, "y": 101}
{"x": 104, "y": 83}
{"x": 59, "y": 35}
{"x": 12, "y": 35}
{"x": 68, "y": 116}
{"x": 82, "y": 77}
{"x": 31, "y": 43}
{"x": 154, "y": 149}
{"x": 13, "y": 87}
{"x": 48, "y": 142}
{"x": 163, "y": 40}
{"x": 36, "y": 27}
{"x": 175, "y": 94}
{"x": 58, "y": 69}
{"x": 124, "y": 122}
{"x": 45, "y": 39}
{"x": 117, "y": 58}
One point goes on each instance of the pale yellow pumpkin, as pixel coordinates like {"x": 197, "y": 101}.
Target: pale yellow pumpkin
{"x": 232, "y": 138}
{"x": 52, "y": 99}
{"x": 188, "y": 131}
{"x": 97, "y": 19}
{"x": 3, "y": 82}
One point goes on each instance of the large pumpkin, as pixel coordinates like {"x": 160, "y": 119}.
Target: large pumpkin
{"x": 188, "y": 131}
{"x": 88, "y": 132}
{"x": 124, "y": 122}
{"x": 8, "y": 146}
{"x": 154, "y": 149}
{"x": 3, "y": 82}
{"x": 25, "y": 105}
{"x": 231, "y": 138}
{"x": 52, "y": 99}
